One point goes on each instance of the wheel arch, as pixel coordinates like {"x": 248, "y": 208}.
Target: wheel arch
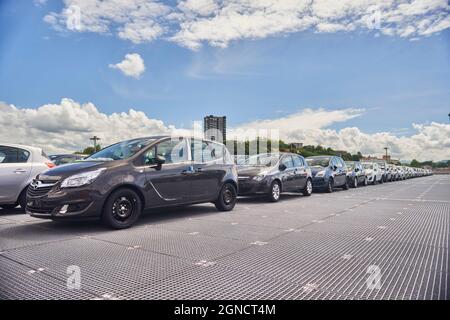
{"x": 126, "y": 186}
{"x": 277, "y": 179}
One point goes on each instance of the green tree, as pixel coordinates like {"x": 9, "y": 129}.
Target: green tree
{"x": 90, "y": 150}
{"x": 415, "y": 163}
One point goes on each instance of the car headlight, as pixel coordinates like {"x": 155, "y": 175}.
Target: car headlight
{"x": 320, "y": 174}
{"x": 81, "y": 179}
{"x": 259, "y": 177}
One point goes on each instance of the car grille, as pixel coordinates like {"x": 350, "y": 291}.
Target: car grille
{"x": 38, "y": 192}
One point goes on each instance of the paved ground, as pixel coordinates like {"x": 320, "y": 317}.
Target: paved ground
{"x": 300, "y": 248}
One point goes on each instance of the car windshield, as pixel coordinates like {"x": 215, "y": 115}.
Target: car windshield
{"x": 121, "y": 150}
{"x": 367, "y": 166}
{"x": 263, "y": 160}
{"x": 350, "y": 165}
{"x": 318, "y": 162}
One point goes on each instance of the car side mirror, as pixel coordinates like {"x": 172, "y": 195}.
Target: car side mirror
{"x": 160, "y": 160}
{"x": 334, "y": 168}
{"x": 356, "y": 169}
{"x": 282, "y": 167}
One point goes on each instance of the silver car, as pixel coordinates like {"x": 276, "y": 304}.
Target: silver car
{"x": 19, "y": 165}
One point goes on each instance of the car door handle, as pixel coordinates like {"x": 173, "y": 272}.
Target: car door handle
{"x": 188, "y": 171}
{"x": 19, "y": 171}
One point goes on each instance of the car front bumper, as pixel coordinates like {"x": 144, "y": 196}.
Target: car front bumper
{"x": 320, "y": 183}
{"x": 250, "y": 186}
{"x": 66, "y": 204}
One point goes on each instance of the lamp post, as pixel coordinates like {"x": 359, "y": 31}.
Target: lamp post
{"x": 95, "y": 139}
{"x": 386, "y": 149}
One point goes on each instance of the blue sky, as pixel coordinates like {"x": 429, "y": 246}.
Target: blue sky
{"x": 397, "y": 80}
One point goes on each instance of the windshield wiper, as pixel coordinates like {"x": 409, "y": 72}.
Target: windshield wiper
{"x": 98, "y": 159}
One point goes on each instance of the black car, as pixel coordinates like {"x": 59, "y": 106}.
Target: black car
{"x": 328, "y": 172}
{"x": 118, "y": 182}
{"x": 356, "y": 174}
{"x": 272, "y": 174}
{"x": 60, "y": 159}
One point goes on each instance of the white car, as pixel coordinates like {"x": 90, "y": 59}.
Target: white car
{"x": 373, "y": 172}
{"x": 19, "y": 165}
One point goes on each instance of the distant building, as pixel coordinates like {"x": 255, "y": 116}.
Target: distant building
{"x": 215, "y": 128}
{"x": 296, "y": 145}
{"x": 388, "y": 159}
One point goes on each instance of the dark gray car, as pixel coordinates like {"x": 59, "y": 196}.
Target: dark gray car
{"x": 328, "y": 172}
{"x": 118, "y": 182}
{"x": 271, "y": 174}
{"x": 356, "y": 174}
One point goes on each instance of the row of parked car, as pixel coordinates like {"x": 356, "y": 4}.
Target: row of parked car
{"x": 117, "y": 183}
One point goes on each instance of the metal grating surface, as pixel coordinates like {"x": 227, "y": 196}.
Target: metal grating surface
{"x": 237, "y": 229}
{"x": 21, "y": 282}
{"x": 317, "y": 247}
{"x": 194, "y": 247}
{"x": 107, "y": 269}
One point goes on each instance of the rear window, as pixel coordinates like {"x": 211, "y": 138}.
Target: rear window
{"x": 13, "y": 155}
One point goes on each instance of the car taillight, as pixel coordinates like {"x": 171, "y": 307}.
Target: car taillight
{"x": 50, "y": 165}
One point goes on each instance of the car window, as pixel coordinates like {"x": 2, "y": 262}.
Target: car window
{"x": 338, "y": 162}
{"x": 287, "y": 161}
{"x": 208, "y": 151}
{"x": 174, "y": 151}
{"x": 22, "y": 155}
{"x": 333, "y": 162}
{"x": 120, "y": 151}
{"x": 13, "y": 155}
{"x": 298, "y": 162}
{"x": 65, "y": 160}
{"x": 2, "y": 155}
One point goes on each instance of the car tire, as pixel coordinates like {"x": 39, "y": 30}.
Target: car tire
{"x": 8, "y": 206}
{"x": 275, "y": 192}
{"x": 23, "y": 199}
{"x": 122, "y": 208}
{"x": 355, "y": 183}
{"x": 381, "y": 180}
{"x": 365, "y": 182}
{"x": 307, "y": 191}
{"x": 330, "y": 186}
{"x": 346, "y": 186}
{"x": 227, "y": 198}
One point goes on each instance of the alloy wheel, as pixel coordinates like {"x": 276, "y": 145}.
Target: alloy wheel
{"x": 276, "y": 191}
{"x": 309, "y": 186}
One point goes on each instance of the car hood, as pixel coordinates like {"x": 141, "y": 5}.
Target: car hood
{"x": 315, "y": 170}
{"x": 66, "y": 170}
{"x": 251, "y": 171}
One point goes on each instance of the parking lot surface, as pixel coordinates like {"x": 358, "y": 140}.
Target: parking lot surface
{"x": 388, "y": 241}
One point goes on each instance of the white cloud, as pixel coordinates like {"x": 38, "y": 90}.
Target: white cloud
{"x": 134, "y": 20}
{"x": 132, "y": 66}
{"x": 311, "y": 127}
{"x": 67, "y": 127}
{"x": 39, "y": 2}
{"x": 199, "y": 7}
{"x": 194, "y": 22}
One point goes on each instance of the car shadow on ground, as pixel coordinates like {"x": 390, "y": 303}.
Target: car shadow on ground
{"x": 42, "y": 230}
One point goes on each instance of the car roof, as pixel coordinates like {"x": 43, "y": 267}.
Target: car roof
{"x": 74, "y": 155}
{"x": 21, "y": 146}
{"x": 161, "y": 137}
{"x": 319, "y": 157}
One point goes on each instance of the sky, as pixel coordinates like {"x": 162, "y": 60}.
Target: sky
{"x": 355, "y": 75}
